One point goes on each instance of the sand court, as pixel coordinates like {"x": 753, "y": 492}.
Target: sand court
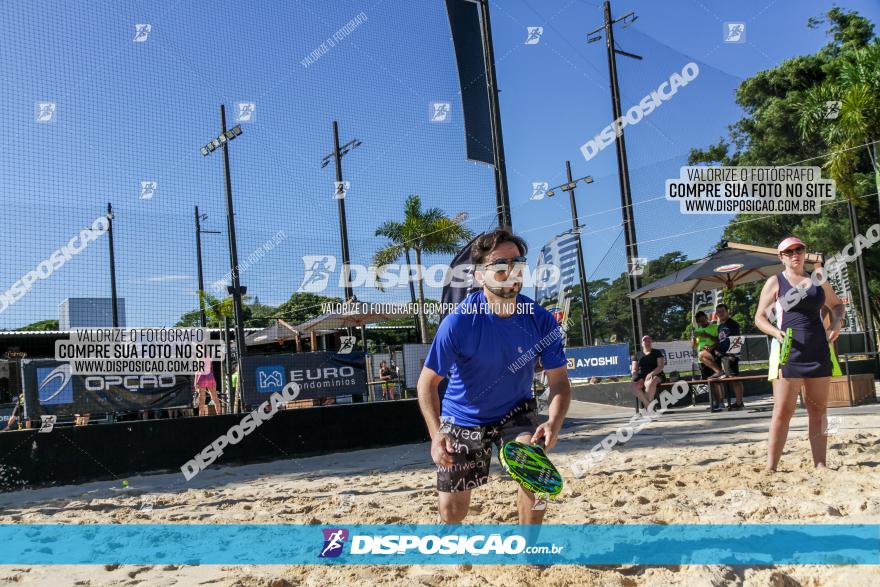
{"x": 685, "y": 467}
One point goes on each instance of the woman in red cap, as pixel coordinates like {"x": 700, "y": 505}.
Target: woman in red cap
{"x": 809, "y": 361}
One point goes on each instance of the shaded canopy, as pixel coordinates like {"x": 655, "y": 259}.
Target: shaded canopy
{"x": 731, "y": 265}
{"x": 279, "y": 332}
{"x": 356, "y": 314}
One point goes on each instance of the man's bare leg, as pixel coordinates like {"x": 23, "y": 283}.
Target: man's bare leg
{"x": 738, "y": 392}
{"x": 707, "y": 359}
{"x": 454, "y": 506}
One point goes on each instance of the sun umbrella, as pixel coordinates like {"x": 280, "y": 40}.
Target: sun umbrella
{"x": 730, "y": 265}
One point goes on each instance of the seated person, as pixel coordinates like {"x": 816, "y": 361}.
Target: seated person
{"x": 727, "y": 328}
{"x": 647, "y": 372}
{"x": 705, "y": 342}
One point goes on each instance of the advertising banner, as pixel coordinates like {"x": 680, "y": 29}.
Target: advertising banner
{"x": 679, "y": 355}
{"x": 323, "y": 374}
{"x": 598, "y": 361}
{"x": 51, "y": 388}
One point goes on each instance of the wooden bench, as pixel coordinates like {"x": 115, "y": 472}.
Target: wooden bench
{"x": 712, "y": 383}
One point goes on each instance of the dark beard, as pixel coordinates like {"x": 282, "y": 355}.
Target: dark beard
{"x": 501, "y": 293}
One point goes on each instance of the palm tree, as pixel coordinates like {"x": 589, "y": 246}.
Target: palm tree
{"x": 216, "y": 311}
{"x": 857, "y": 87}
{"x": 425, "y": 232}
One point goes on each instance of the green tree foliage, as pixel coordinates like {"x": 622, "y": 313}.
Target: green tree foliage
{"x": 424, "y": 232}
{"x": 785, "y": 125}
{"x": 40, "y": 326}
{"x": 302, "y": 306}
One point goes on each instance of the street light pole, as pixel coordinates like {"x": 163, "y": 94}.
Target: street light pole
{"x": 114, "y": 306}
{"x": 236, "y": 290}
{"x": 864, "y": 292}
{"x": 203, "y": 320}
{"x": 412, "y": 294}
{"x": 586, "y": 315}
{"x": 629, "y": 228}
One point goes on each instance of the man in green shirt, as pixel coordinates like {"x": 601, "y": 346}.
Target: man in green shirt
{"x": 705, "y": 338}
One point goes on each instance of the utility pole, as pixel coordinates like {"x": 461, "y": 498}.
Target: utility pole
{"x": 343, "y": 227}
{"x": 586, "y": 314}
{"x": 502, "y": 195}
{"x": 629, "y": 228}
{"x": 114, "y": 307}
{"x": 336, "y": 156}
{"x": 412, "y": 295}
{"x": 864, "y": 292}
{"x": 203, "y": 320}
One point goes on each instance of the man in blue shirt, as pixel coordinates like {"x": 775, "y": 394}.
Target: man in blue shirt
{"x": 488, "y": 349}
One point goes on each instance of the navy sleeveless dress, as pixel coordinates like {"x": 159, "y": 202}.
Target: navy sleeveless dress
{"x": 810, "y": 355}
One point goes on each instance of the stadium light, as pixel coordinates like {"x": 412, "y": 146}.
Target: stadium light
{"x": 221, "y": 140}
{"x": 569, "y": 185}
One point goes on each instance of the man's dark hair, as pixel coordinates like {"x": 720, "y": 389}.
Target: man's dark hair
{"x": 487, "y": 241}
{"x": 722, "y": 305}
{"x": 701, "y": 314}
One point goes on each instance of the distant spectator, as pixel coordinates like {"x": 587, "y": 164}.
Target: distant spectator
{"x": 205, "y": 386}
{"x": 647, "y": 371}
{"x": 728, "y": 328}
{"x": 705, "y": 342}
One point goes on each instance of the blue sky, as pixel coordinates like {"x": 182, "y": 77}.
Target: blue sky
{"x": 130, "y": 112}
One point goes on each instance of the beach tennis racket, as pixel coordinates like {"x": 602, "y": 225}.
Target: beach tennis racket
{"x": 529, "y": 466}
{"x": 785, "y": 349}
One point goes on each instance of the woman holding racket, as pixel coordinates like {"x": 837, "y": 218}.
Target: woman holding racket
{"x": 808, "y": 362}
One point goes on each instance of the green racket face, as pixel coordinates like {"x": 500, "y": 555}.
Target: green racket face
{"x": 786, "y": 346}
{"x": 529, "y": 466}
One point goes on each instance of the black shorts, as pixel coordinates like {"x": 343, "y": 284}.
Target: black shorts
{"x": 473, "y": 444}
{"x": 640, "y": 376}
{"x": 727, "y": 362}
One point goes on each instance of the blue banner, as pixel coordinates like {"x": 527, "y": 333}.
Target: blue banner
{"x": 619, "y": 544}
{"x": 319, "y": 374}
{"x": 599, "y": 361}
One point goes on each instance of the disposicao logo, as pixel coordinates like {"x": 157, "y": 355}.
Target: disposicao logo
{"x": 334, "y": 538}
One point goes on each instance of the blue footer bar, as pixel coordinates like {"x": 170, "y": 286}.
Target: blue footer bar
{"x": 674, "y": 544}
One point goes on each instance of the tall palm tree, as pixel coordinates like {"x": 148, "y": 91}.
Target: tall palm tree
{"x": 424, "y": 232}
{"x": 857, "y": 87}
{"x": 216, "y": 311}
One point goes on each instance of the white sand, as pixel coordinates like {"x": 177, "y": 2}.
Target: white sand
{"x": 688, "y": 467}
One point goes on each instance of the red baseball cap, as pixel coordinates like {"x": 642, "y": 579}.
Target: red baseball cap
{"x": 789, "y": 243}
